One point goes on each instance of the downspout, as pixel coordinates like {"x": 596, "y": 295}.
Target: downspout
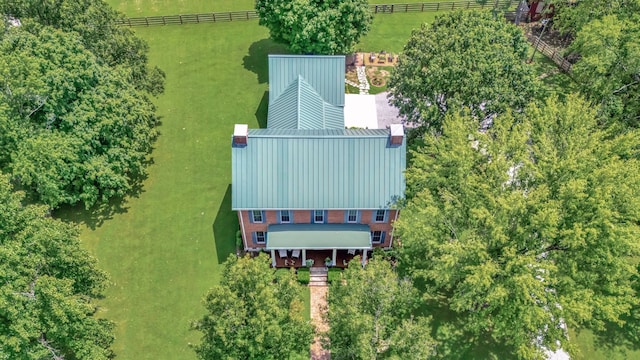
{"x": 244, "y": 238}
{"x": 393, "y": 229}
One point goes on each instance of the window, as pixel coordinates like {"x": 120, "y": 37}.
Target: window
{"x": 260, "y": 237}
{"x": 257, "y": 216}
{"x": 352, "y": 216}
{"x": 318, "y": 216}
{"x": 285, "y": 217}
{"x": 381, "y": 215}
{"x": 376, "y": 237}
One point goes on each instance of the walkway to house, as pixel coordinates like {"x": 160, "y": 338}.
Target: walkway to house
{"x": 319, "y": 289}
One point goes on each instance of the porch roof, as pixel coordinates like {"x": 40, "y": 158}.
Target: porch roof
{"x": 318, "y": 236}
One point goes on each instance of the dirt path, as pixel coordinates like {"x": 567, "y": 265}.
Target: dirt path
{"x": 318, "y": 307}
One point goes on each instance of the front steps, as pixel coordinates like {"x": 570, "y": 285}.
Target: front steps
{"x": 318, "y": 276}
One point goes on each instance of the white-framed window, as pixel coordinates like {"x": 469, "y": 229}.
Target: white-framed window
{"x": 381, "y": 215}
{"x": 261, "y": 237}
{"x": 352, "y": 216}
{"x": 285, "y": 216}
{"x": 377, "y": 237}
{"x": 318, "y": 216}
{"x": 256, "y": 216}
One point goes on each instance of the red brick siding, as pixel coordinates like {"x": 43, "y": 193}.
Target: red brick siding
{"x": 304, "y": 217}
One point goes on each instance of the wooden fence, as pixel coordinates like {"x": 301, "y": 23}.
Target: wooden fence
{"x": 550, "y": 52}
{"x": 252, "y": 14}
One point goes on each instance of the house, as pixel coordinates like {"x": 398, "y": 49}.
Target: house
{"x": 306, "y": 187}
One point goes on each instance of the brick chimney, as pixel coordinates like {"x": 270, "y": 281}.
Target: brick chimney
{"x": 240, "y": 134}
{"x": 396, "y": 134}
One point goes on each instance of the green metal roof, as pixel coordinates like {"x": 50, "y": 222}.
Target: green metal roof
{"x": 301, "y": 107}
{"x": 318, "y": 236}
{"x": 317, "y": 169}
{"x": 324, "y": 73}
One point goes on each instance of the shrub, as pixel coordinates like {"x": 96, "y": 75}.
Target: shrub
{"x": 239, "y": 239}
{"x": 281, "y": 273}
{"x": 334, "y": 274}
{"x": 303, "y": 276}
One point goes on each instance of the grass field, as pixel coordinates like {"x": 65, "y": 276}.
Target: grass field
{"x": 164, "y": 248}
{"x": 135, "y": 8}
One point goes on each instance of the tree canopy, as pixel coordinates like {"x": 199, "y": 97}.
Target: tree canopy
{"x": 371, "y": 314}
{"x": 609, "y": 67}
{"x": 72, "y": 128}
{"x": 253, "y": 315}
{"x": 532, "y": 222}
{"x": 469, "y": 58}
{"x": 48, "y": 283}
{"x": 315, "y": 26}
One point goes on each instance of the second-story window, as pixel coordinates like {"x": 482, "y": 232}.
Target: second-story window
{"x": 318, "y": 216}
{"x": 381, "y": 215}
{"x": 352, "y": 216}
{"x": 256, "y": 216}
{"x": 285, "y": 217}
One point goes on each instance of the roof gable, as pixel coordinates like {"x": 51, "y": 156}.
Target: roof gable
{"x": 325, "y": 74}
{"x": 299, "y": 106}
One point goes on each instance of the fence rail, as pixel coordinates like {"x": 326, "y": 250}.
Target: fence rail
{"x": 550, "y": 52}
{"x": 252, "y": 14}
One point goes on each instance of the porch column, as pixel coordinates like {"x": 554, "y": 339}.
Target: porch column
{"x": 364, "y": 257}
{"x": 335, "y": 254}
{"x": 304, "y": 257}
{"x": 273, "y": 258}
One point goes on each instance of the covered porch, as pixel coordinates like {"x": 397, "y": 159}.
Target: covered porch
{"x": 295, "y": 244}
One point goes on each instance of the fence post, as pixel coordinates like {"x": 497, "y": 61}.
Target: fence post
{"x": 247, "y": 15}
{"x": 453, "y": 4}
{"x": 180, "y": 19}
{"x": 392, "y": 8}
{"x": 422, "y": 8}
{"x": 214, "y": 17}
{"x": 147, "y": 20}
{"x": 438, "y": 7}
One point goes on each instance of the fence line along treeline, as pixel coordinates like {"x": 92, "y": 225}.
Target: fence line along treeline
{"x": 252, "y": 14}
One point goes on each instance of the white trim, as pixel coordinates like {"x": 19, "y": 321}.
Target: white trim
{"x": 393, "y": 229}
{"x": 244, "y": 238}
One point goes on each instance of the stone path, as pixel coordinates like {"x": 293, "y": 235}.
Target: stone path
{"x": 318, "y": 308}
{"x": 362, "y": 78}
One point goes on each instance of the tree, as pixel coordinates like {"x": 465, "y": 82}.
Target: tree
{"x": 47, "y": 286}
{"x": 469, "y": 58}
{"x": 571, "y": 17}
{"x": 609, "y": 68}
{"x": 315, "y": 26}
{"x": 71, "y": 129}
{"x": 93, "y": 21}
{"x": 371, "y": 315}
{"x": 253, "y": 315}
{"x": 533, "y": 222}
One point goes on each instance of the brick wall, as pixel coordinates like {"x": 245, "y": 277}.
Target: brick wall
{"x": 304, "y": 217}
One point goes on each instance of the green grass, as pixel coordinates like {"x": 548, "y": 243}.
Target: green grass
{"x": 390, "y": 32}
{"x": 306, "y": 297}
{"x": 164, "y": 249}
{"x": 592, "y": 348}
{"x": 134, "y": 8}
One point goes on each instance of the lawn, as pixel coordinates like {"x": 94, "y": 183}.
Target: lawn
{"x": 135, "y": 8}
{"x": 164, "y": 248}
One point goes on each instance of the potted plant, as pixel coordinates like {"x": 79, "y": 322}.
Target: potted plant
{"x": 328, "y": 261}
{"x": 309, "y": 262}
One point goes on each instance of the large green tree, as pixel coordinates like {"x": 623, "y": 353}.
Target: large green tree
{"x": 93, "y": 21}
{"x": 371, "y": 315}
{"x": 469, "y": 58}
{"x": 526, "y": 225}
{"x": 47, "y": 286}
{"x": 609, "y": 67}
{"x": 316, "y": 26}
{"x": 72, "y": 129}
{"x": 253, "y": 315}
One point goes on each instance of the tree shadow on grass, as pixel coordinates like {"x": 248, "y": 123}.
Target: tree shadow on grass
{"x": 225, "y": 226}
{"x": 256, "y": 60}
{"x": 94, "y": 217}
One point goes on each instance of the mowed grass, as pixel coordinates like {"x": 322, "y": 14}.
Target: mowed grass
{"x": 136, "y": 8}
{"x": 164, "y": 250}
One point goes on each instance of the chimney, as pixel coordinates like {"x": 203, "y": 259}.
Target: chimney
{"x": 240, "y": 134}
{"x": 396, "y": 134}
